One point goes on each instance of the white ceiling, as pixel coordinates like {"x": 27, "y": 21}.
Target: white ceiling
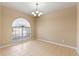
{"x": 45, "y": 7}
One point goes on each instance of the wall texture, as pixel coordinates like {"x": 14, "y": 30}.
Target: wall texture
{"x": 58, "y": 26}
{"x": 0, "y": 23}
{"x": 8, "y": 16}
{"x": 78, "y": 27}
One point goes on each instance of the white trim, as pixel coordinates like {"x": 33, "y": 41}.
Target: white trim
{"x": 58, "y": 44}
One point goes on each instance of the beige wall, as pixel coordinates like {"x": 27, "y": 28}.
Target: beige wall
{"x": 9, "y": 15}
{"x": 78, "y": 27}
{"x": 58, "y": 26}
{"x": 0, "y": 22}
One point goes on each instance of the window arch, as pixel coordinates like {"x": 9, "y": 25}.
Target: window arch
{"x": 21, "y": 29}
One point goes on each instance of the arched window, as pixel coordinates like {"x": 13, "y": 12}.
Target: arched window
{"x": 21, "y": 29}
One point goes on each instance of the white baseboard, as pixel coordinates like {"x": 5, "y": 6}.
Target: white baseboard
{"x": 58, "y": 44}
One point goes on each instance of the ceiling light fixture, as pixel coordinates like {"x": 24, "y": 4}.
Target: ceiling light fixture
{"x": 37, "y": 12}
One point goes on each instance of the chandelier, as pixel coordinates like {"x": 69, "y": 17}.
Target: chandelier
{"x": 36, "y": 12}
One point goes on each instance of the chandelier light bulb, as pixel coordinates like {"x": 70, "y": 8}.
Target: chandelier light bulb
{"x": 33, "y": 13}
{"x": 37, "y": 11}
{"x": 40, "y": 14}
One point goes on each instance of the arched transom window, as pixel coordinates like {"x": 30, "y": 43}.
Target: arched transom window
{"x": 21, "y": 29}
